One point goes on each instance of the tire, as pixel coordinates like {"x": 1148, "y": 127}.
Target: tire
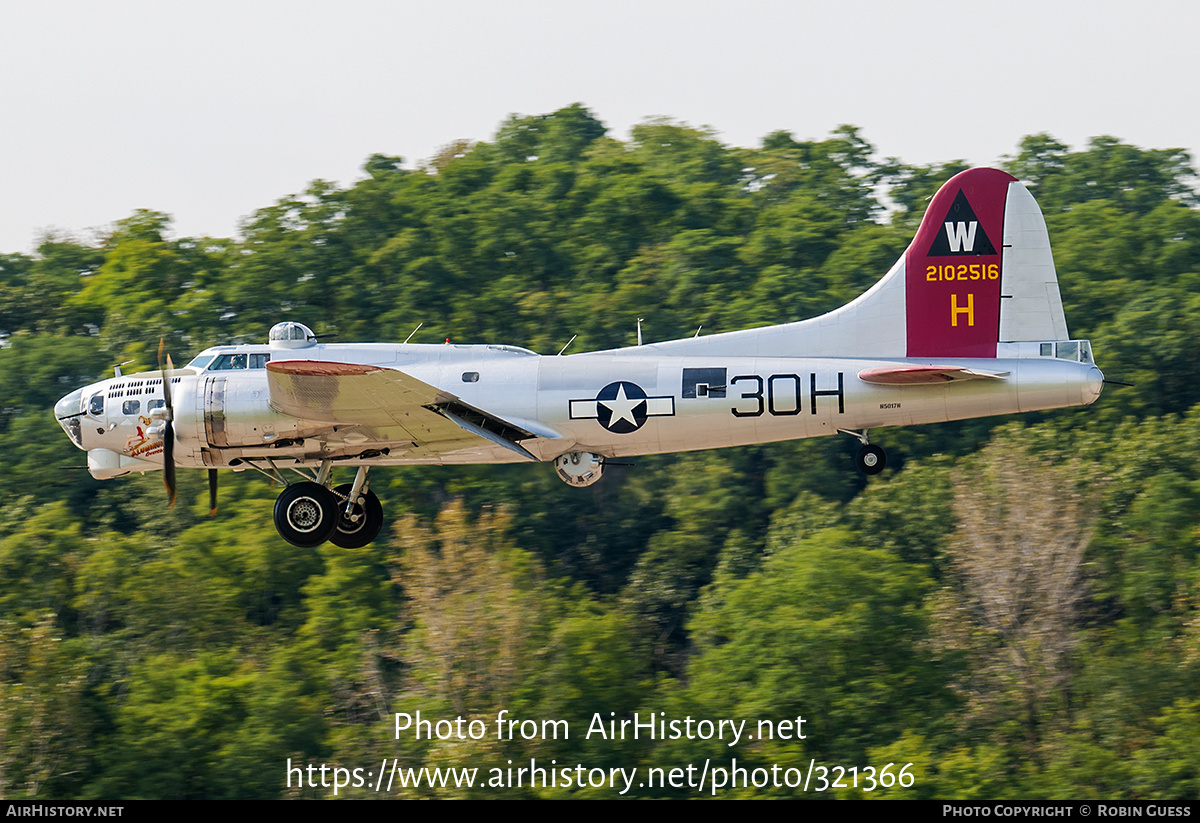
{"x": 354, "y": 534}
{"x": 306, "y": 514}
{"x": 871, "y": 459}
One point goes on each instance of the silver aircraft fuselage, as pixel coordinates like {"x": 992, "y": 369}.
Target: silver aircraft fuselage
{"x": 660, "y": 404}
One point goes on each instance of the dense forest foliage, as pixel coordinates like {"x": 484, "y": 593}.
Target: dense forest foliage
{"x": 1013, "y": 606}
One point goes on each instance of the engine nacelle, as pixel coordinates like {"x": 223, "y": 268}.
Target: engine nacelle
{"x": 579, "y": 469}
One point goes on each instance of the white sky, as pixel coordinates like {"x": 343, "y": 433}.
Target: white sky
{"x": 211, "y": 110}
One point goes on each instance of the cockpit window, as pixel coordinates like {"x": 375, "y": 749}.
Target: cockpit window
{"x": 96, "y": 405}
{"x": 131, "y": 407}
{"x": 200, "y": 361}
{"x": 229, "y": 361}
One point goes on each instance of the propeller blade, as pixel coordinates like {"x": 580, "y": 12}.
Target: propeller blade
{"x": 169, "y": 461}
{"x": 167, "y": 387}
{"x": 168, "y": 426}
{"x": 212, "y": 492}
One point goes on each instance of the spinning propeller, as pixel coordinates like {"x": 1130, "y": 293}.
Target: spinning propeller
{"x": 168, "y": 429}
{"x": 168, "y": 436}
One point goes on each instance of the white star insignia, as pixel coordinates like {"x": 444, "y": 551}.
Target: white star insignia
{"x": 622, "y": 407}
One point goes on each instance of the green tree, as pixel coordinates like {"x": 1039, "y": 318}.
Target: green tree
{"x": 826, "y": 630}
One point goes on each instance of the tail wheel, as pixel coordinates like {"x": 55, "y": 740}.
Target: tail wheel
{"x": 364, "y": 522}
{"x": 871, "y": 459}
{"x": 306, "y": 514}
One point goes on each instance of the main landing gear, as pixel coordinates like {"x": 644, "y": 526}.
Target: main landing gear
{"x": 309, "y": 513}
{"x": 870, "y": 459}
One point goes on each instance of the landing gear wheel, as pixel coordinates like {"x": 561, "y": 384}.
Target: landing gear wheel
{"x": 363, "y": 524}
{"x": 306, "y": 514}
{"x": 871, "y": 459}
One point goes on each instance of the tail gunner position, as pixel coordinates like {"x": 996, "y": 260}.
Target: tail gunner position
{"x": 968, "y": 323}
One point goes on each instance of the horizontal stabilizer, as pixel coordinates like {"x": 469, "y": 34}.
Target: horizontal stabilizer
{"x": 916, "y": 375}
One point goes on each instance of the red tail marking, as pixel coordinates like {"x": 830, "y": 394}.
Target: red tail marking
{"x": 952, "y": 268}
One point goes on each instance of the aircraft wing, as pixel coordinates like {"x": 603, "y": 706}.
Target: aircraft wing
{"x": 375, "y": 397}
{"x": 917, "y": 375}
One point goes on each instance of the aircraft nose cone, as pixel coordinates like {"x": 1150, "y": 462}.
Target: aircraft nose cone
{"x": 1093, "y": 384}
{"x": 67, "y": 410}
{"x": 68, "y": 404}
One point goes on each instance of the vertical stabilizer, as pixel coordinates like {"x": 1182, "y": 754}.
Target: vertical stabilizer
{"x": 978, "y": 273}
{"x": 953, "y": 268}
{"x": 980, "y": 270}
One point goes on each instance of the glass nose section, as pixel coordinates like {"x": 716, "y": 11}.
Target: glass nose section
{"x": 67, "y": 410}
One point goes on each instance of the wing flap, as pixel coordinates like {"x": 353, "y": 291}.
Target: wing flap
{"x": 467, "y": 425}
{"x": 925, "y": 375}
